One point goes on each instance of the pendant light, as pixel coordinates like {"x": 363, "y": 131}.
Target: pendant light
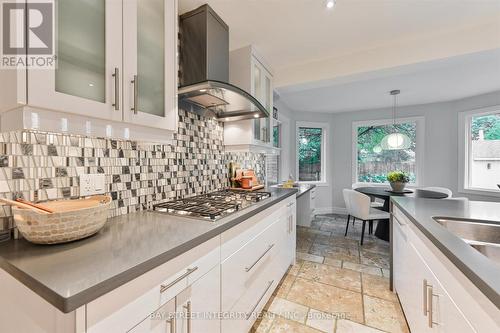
{"x": 395, "y": 140}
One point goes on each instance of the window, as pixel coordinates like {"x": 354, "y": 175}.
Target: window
{"x": 372, "y": 163}
{"x": 311, "y": 148}
{"x": 481, "y": 154}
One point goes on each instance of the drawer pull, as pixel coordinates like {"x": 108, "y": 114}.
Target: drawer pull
{"x": 188, "y": 315}
{"x": 249, "y": 268}
{"x": 430, "y": 295}
{"x": 164, "y": 287}
{"x": 171, "y": 323}
{"x": 249, "y": 314}
{"x": 424, "y": 289}
{"x": 116, "y": 76}
{"x": 399, "y": 222}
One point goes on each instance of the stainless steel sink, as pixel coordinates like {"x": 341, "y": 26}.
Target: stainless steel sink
{"x": 484, "y": 236}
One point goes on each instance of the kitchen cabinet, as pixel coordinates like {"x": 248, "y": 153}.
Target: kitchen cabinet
{"x": 116, "y": 61}
{"x": 306, "y": 208}
{"x": 428, "y": 297}
{"x": 235, "y": 272}
{"x": 150, "y": 63}
{"x": 198, "y": 305}
{"x": 249, "y": 71}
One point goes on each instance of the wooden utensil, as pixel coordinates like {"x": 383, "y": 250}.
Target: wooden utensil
{"x": 22, "y": 205}
{"x": 48, "y": 210}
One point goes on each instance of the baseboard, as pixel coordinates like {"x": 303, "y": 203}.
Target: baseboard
{"x": 330, "y": 210}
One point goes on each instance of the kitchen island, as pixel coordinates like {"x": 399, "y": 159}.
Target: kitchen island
{"x": 441, "y": 280}
{"x": 120, "y": 276}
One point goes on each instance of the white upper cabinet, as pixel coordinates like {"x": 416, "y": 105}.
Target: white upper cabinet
{"x": 116, "y": 61}
{"x": 247, "y": 71}
{"x": 150, "y": 63}
{"x": 88, "y": 43}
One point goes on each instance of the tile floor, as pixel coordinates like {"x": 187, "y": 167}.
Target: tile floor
{"x": 337, "y": 286}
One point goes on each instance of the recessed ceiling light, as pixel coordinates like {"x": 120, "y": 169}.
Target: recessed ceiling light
{"x": 330, "y": 4}
{"x": 227, "y": 119}
{"x": 203, "y": 90}
{"x": 256, "y": 115}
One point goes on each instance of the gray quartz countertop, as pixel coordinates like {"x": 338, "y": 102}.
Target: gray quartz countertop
{"x": 73, "y": 274}
{"x": 304, "y": 188}
{"x": 482, "y": 271}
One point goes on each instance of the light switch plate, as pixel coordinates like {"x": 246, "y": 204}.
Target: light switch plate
{"x": 91, "y": 184}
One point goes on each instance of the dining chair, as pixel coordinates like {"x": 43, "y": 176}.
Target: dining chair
{"x": 345, "y": 193}
{"x": 359, "y": 204}
{"x": 373, "y": 201}
{"x": 444, "y": 190}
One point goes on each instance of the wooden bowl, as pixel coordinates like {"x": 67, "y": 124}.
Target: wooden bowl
{"x": 71, "y": 220}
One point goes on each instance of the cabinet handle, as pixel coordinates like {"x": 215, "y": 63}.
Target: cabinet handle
{"x": 249, "y": 314}
{"x": 188, "y": 314}
{"x": 189, "y": 271}
{"x": 399, "y": 222}
{"x": 249, "y": 268}
{"x": 424, "y": 288}
{"x": 135, "y": 84}
{"x": 116, "y": 75}
{"x": 171, "y": 322}
{"x": 430, "y": 296}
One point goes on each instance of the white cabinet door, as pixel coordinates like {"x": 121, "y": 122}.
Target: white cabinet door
{"x": 199, "y": 305}
{"x": 150, "y": 63}
{"x": 262, "y": 90}
{"x": 409, "y": 276}
{"x": 160, "y": 321}
{"x": 88, "y": 44}
{"x": 292, "y": 234}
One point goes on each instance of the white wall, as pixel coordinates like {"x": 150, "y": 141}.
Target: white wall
{"x": 441, "y": 145}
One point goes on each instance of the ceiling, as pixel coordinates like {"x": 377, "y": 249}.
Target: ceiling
{"x": 292, "y": 32}
{"x": 434, "y": 81}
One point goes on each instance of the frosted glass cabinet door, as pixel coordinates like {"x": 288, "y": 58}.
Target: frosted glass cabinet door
{"x": 88, "y": 42}
{"x": 257, "y": 93}
{"x": 150, "y": 64}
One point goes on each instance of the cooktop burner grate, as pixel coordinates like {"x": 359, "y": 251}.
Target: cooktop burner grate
{"x": 212, "y": 206}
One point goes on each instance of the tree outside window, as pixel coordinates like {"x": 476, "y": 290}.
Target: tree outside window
{"x": 310, "y": 153}
{"x": 373, "y": 163}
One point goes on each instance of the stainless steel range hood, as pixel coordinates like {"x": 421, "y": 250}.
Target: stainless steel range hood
{"x": 204, "y": 70}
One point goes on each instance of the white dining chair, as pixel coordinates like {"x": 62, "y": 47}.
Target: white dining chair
{"x": 359, "y": 204}
{"x": 444, "y": 190}
{"x": 373, "y": 201}
{"x": 345, "y": 193}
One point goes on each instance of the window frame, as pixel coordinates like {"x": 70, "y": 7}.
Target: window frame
{"x": 324, "y": 146}
{"x": 419, "y": 149}
{"x": 464, "y": 150}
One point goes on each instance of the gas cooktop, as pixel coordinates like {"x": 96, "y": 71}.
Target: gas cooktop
{"x": 212, "y": 206}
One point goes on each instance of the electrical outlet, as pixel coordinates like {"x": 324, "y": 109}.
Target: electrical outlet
{"x": 91, "y": 184}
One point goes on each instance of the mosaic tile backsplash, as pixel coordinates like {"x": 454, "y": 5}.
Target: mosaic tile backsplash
{"x": 43, "y": 166}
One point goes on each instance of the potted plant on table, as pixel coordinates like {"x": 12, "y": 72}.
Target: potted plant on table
{"x": 398, "y": 180}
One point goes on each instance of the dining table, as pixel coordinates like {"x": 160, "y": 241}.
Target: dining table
{"x": 385, "y": 193}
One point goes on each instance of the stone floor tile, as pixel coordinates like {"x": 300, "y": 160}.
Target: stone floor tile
{"x": 333, "y": 262}
{"x": 384, "y": 315}
{"x": 374, "y": 259}
{"x": 330, "y": 299}
{"x": 282, "y": 325}
{"x": 288, "y": 310}
{"x": 304, "y": 245}
{"x": 310, "y": 257}
{"x": 285, "y": 286}
{"x": 362, "y": 268}
{"x": 378, "y": 286}
{"x": 335, "y": 252}
{"x": 294, "y": 269}
{"x": 347, "y": 326}
{"x": 263, "y": 323}
{"x": 338, "y": 277}
{"x": 376, "y": 246}
{"x": 386, "y": 272}
{"x": 322, "y": 321}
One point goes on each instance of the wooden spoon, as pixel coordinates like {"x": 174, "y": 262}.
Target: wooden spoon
{"x": 46, "y": 209}
{"x": 23, "y": 205}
